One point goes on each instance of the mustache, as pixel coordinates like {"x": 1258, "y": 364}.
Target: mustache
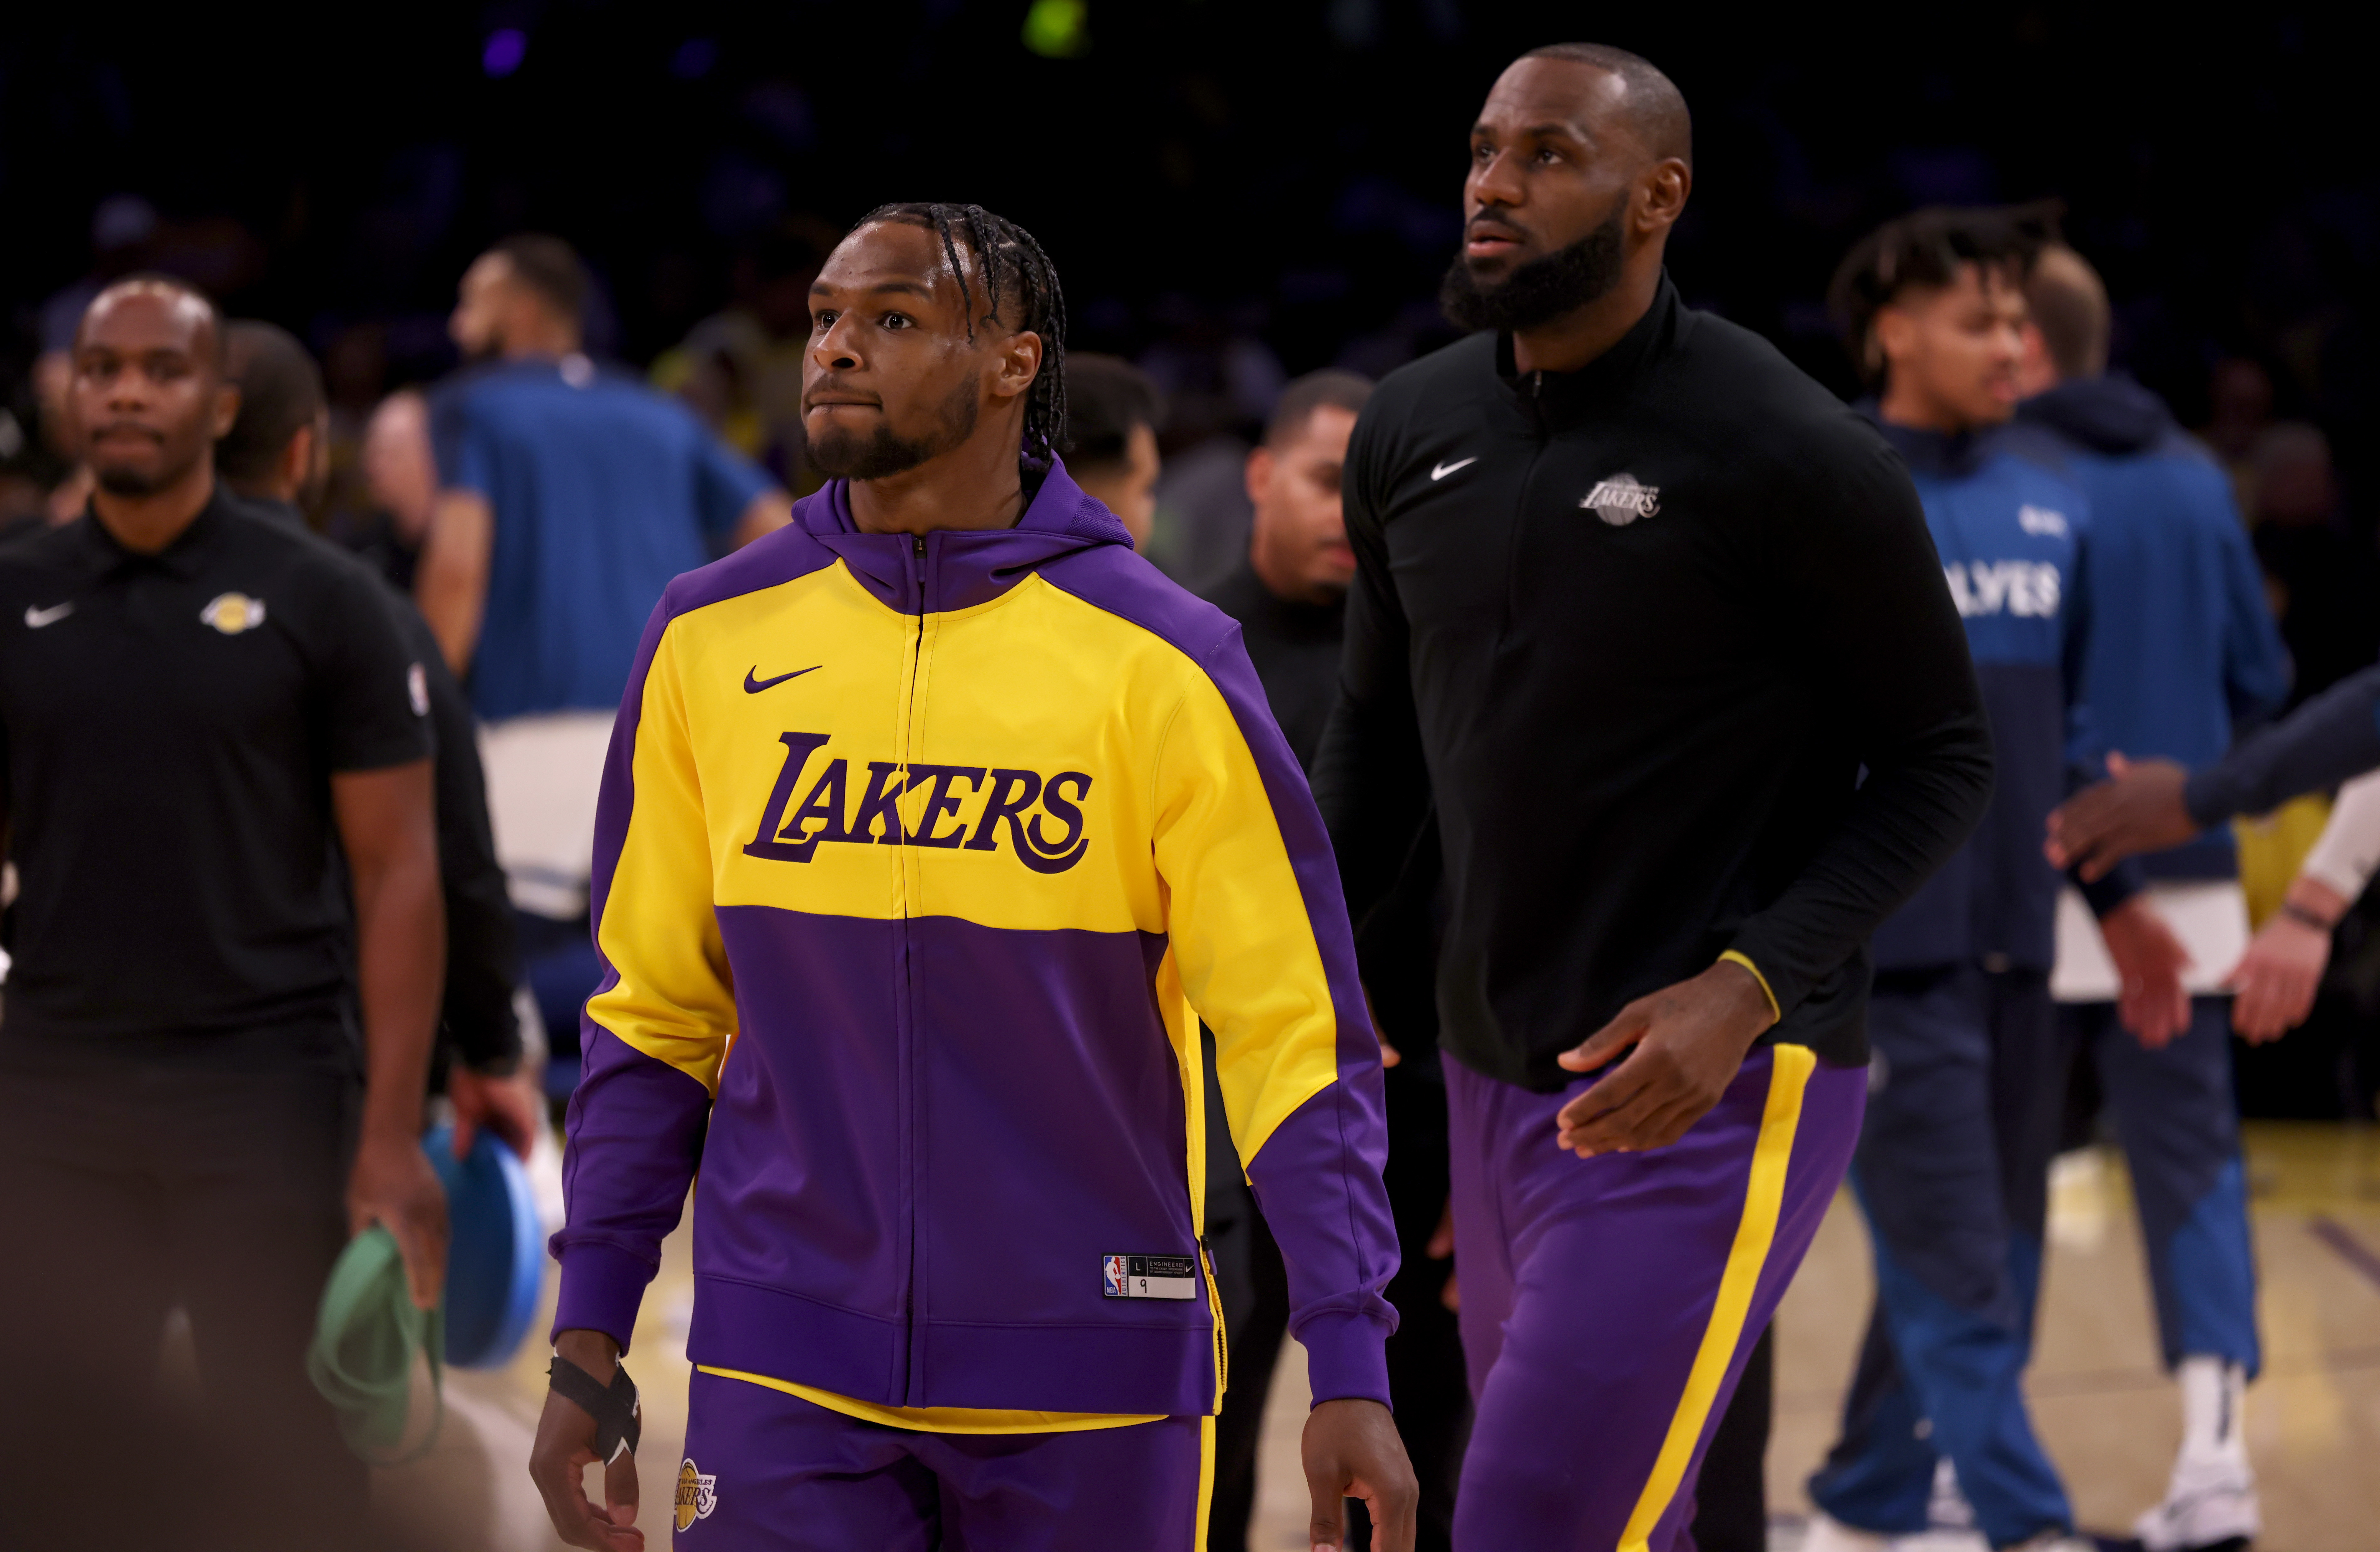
{"x": 1490, "y": 221}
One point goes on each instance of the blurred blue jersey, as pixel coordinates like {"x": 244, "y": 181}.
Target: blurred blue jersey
{"x": 602, "y": 491}
{"x": 2013, "y": 538}
{"x": 2184, "y": 655}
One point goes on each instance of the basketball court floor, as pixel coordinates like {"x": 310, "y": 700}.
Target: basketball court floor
{"x": 2099, "y": 1397}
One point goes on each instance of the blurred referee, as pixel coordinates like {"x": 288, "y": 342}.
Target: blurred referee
{"x": 199, "y": 711}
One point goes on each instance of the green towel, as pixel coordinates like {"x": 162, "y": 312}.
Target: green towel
{"x": 365, "y": 1336}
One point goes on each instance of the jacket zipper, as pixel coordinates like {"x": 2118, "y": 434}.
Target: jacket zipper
{"x": 912, "y": 1030}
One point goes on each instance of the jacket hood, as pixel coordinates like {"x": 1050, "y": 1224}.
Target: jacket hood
{"x": 964, "y": 567}
{"x": 2111, "y": 414}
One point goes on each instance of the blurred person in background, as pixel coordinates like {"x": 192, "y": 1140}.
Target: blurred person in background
{"x": 276, "y": 458}
{"x": 1290, "y": 598}
{"x": 2182, "y": 656}
{"x": 1111, "y": 417}
{"x": 2324, "y": 580}
{"x": 203, "y": 713}
{"x": 741, "y": 368}
{"x": 1967, "y": 1087}
{"x": 569, "y": 495}
{"x": 399, "y": 476}
{"x": 1219, "y": 383}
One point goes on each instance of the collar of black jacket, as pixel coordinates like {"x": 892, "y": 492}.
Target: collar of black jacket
{"x": 1563, "y": 395}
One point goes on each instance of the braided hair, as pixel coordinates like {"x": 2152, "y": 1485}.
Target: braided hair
{"x": 1014, "y": 270}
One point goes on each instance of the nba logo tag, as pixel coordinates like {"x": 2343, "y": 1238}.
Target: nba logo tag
{"x": 1112, "y": 1273}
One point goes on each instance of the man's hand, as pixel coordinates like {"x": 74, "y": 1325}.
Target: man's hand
{"x": 565, "y": 1448}
{"x": 392, "y": 1185}
{"x": 1352, "y": 1451}
{"x": 2276, "y": 978}
{"x": 2139, "y": 810}
{"x": 2149, "y": 962}
{"x": 508, "y": 1106}
{"x": 1690, "y": 1039}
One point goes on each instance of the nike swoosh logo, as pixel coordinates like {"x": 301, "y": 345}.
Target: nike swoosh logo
{"x": 36, "y": 618}
{"x": 754, "y": 687}
{"x": 1443, "y": 469}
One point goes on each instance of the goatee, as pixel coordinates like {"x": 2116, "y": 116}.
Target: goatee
{"x": 848, "y": 456}
{"x": 1541, "y": 291}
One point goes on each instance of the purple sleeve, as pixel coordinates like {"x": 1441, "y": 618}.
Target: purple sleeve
{"x": 635, "y": 1127}
{"x": 1317, "y": 1176}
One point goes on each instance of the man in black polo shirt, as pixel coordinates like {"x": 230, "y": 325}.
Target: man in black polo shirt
{"x": 1637, "y": 602}
{"x": 276, "y": 458}
{"x": 1290, "y": 596}
{"x": 199, "y": 711}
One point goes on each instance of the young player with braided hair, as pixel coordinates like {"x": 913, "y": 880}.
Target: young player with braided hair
{"x": 934, "y": 825}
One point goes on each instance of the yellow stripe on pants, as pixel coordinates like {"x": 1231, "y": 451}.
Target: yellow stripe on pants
{"x": 1764, "y": 1199}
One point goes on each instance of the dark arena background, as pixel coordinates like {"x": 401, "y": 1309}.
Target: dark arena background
{"x": 1234, "y": 194}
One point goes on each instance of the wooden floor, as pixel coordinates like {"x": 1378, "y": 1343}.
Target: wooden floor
{"x": 2100, "y": 1398}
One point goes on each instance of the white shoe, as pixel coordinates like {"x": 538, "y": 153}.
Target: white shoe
{"x": 1829, "y": 1534}
{"x": 2204, "y": 1508}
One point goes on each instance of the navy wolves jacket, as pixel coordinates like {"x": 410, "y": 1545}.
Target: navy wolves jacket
{"x": 2012, "y": 536}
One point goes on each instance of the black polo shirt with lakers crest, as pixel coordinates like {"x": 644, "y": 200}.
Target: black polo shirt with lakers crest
{"x": 169, "y": 725}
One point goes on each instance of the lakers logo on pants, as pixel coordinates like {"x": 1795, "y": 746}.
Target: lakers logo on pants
{"x": 696, "y": 1495}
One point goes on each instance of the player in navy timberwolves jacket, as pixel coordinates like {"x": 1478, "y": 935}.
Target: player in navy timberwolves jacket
{"x": 1953, "y": 1157}
{"x": 2182, "y": 652}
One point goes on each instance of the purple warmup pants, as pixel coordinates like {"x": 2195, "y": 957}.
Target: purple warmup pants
{"x": 769, "y": 1471}
{"x": 1608, "y": 1303}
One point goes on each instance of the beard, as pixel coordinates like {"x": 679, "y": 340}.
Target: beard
{"x": 879, "y": 454}
{"x": 1541, "y": 291}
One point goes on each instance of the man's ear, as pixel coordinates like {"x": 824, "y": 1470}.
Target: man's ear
{"x": 1259, "y": 474}
{"x": 227, "y": 411}
{"x": 1662, "y": 194}
{"x": 1020, "y": 364}
{"x": 1889, "y": 334}
{"x": 296, "y": 460}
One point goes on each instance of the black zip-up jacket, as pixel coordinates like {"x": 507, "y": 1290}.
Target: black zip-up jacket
{"x": 1639, "y": 628}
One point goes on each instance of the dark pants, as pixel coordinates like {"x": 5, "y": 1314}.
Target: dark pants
{"x": 1731, "y": 1494}
{"x": 1953, "y": 1174}
{"x": 1425, "y": 1374}
{"x": 126, "y": 1193}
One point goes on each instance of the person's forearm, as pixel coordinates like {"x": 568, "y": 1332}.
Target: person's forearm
{"x": 400, "y": 965}
{"x": 2329, "y": 740}
{"x": 452, "y": 587}
{"x": 2349, "y": 852}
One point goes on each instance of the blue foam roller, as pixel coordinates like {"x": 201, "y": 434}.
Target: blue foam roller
{"x": 495, "y": 1258}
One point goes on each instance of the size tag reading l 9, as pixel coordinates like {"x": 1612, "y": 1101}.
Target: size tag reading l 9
{"x": 1148, "y": 1277}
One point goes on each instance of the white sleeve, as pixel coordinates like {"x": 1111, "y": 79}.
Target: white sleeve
{"x": 2349, "y": 851}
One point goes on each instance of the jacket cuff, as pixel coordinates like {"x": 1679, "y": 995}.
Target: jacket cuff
{"x": 1346, "y": 1357}
{"x": 601, "y": 1285}
{"x": 2119, "y": 885}
{"x": 1737, "y": 956}
{"x": 2208, "y": 798}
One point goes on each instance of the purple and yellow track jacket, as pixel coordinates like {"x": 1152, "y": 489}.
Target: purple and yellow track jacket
{"x": 919, "y": 859}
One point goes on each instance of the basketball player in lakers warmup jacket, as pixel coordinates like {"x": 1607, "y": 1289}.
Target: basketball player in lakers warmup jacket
{"x": 934, "y": 824}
